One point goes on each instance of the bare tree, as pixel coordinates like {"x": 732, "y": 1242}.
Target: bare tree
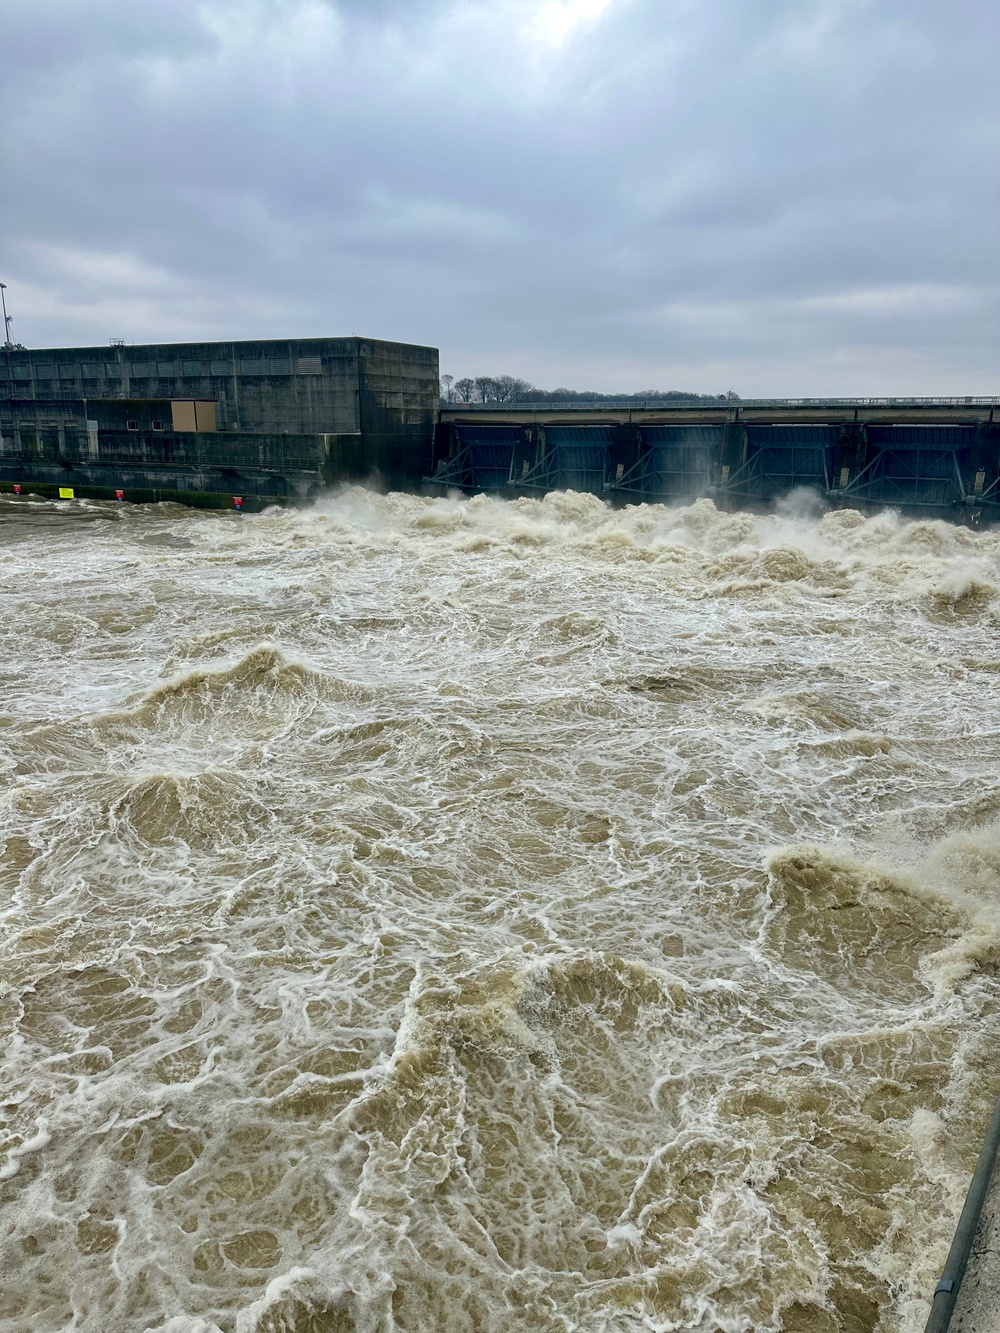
{"x": 509, "y": 389}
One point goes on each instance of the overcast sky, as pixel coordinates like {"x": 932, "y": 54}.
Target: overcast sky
{"x": 777, "y": 196}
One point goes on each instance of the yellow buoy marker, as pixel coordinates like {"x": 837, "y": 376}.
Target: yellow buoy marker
{"x": 66, "y": 493}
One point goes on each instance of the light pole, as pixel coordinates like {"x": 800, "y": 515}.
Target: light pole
{"x": 7, "y": 344}
{"x": 6, "y": 318}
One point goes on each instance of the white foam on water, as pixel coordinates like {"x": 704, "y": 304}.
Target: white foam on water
{"x": 460, "y": 914}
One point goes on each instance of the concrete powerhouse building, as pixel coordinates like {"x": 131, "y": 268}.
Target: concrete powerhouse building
{"x": 200, "y": 422}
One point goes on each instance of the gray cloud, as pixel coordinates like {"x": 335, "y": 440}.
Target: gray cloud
{"x": 783, "y": 196}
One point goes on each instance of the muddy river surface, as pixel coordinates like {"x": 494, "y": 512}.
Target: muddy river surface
{"x": 461, "y": 916}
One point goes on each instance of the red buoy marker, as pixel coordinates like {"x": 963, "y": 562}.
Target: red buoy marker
{"x": 238, "y": 502}
{"x": 119, "y": 496}
{"x": 17, "y": 489}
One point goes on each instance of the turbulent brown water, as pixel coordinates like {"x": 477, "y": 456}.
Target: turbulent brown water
{"x": 442, "y": 915}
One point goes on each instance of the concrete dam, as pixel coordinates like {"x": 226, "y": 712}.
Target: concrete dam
{"x": 928, "y": 457}
{"x": 280, "y": 421}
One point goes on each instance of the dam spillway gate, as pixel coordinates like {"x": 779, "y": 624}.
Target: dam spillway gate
{"x": 935, "y": 458}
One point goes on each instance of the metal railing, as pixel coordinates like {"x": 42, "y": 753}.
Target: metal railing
{"x": 946, "y": 1291}
{"x": 685, "y": 404}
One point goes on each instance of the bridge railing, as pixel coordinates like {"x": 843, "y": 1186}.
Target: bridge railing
{"x": 661, "y": 404}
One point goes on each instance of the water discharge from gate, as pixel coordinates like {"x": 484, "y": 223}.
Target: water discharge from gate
{"x": 469, "y": 915}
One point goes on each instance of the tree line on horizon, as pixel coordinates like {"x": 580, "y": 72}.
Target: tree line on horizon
{"x": 511, "y": 389}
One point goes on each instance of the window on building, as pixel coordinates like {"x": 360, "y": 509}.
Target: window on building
{"x": 132, "y": 425}
{"x": 157, "y": 425}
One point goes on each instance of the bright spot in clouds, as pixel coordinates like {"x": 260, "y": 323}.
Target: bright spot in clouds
{"x": 556, "y": 20}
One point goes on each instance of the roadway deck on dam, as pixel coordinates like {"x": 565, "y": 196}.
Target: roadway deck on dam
{"x": 913, "y": 411}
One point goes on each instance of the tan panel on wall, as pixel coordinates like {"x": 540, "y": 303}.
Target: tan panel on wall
{"x": 183, "y": 415}
{"x": 204, "y": 415}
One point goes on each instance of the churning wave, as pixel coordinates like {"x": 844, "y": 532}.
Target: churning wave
{"x": 460, "y": 914}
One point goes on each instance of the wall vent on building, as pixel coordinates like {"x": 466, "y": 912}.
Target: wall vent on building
{"x": 308, "y": 365}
